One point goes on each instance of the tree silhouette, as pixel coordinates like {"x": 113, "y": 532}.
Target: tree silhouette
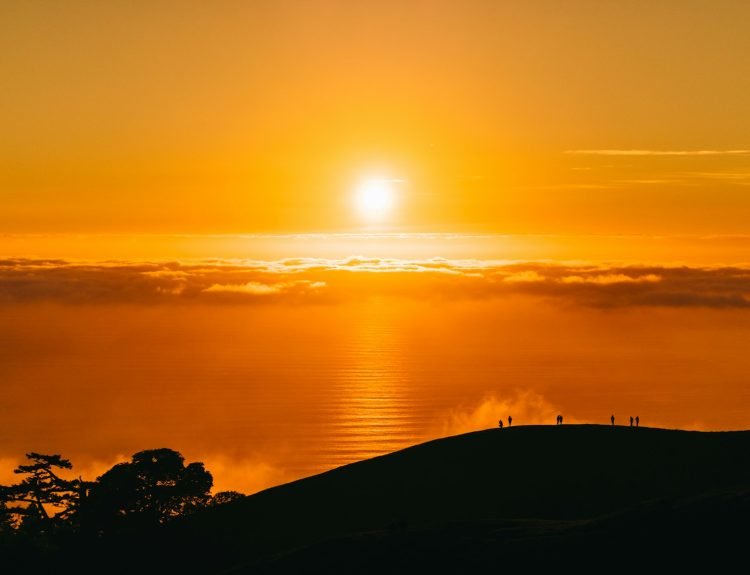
{"x": 153, "y": 488}
{"x": 45, "y": 499}
{"x": 6, "y": 516}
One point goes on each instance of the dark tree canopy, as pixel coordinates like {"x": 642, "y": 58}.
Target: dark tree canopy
{"x": 132, "y": 498}
{"x": 153, "y": 488}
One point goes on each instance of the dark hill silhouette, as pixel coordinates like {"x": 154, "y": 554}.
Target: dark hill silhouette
{"x": 527, "y": 498}
{"x": 553, "y": 486}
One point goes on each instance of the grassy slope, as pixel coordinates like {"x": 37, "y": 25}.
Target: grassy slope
{"x": 541, "y": 478}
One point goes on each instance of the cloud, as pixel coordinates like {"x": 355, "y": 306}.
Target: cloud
{"x": 526, "y": 408}
{"x": 261, "y": 289}
{"x": 329, "y": 281}
{"x": 653, "y": 181}
{"x": 528, "y": 276}
{"x": 658, "y": 152}
{"x": 737, "y": 178}
{"x": 173, "y": 274}
{"x": 244, "y": 475}
{"x": 608, "y": 279}
{"x": 254, "y": 288}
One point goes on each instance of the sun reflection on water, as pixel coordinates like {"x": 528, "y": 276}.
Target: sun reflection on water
{"x": 374, "y": 407}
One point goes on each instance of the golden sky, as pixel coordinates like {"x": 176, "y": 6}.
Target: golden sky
{"x": 281, "y": 236}
{"x": 600, "y": 117}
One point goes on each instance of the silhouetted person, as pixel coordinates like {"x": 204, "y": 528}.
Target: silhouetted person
{"x": 557, "y": 420}
{"x": 631, "y": 421}
{"x": 500, "y": 423}
{"x": 510, "y": 421}
{"x": 612, "y": 419}
{"x": 637, "y": 421}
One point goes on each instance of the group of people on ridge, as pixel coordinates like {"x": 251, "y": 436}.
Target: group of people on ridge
{"x": 636, "y": 421}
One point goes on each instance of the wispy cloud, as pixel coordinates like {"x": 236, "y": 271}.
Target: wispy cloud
{"x": 612, "y": 152}
{"x": 331, "y": 281}
{"x": 245, "y": 475}
{"x": 734, "y": 177}
{"x": 653, "y": 181}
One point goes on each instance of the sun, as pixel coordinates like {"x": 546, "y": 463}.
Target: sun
{"x": 375, "y": 198}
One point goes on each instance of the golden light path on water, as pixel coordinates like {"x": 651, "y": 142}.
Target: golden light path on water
{"x": 375, "y": 410}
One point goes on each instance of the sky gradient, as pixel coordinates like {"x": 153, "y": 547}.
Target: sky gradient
{"x": 505, "y": 117}
{"x": 556, "y": 219}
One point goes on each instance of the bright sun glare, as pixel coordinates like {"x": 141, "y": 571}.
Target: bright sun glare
{"x": 375, "y": 198}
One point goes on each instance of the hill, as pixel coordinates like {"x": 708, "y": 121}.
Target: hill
{"x": 510, "y": 496}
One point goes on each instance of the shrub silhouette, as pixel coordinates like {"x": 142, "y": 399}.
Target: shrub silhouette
{"x": 223, "y": 497}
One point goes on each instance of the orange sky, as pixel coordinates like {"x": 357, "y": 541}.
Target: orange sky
{"x": 183, "y": 262}
{"x": 246, "y": 117}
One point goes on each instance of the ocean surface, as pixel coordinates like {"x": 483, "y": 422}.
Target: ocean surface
{"x": 268, "y": 393}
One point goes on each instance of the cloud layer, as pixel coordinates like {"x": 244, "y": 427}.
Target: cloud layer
{"x": 317, "y": 280}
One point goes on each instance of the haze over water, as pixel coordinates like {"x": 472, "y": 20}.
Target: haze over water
{"x": 269, "y": 375}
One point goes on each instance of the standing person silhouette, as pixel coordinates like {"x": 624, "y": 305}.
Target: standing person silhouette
{"x": 631, "y": 421}
{"x": 558, "y": 420}
{"x": 561, "y": 420}
{"x": 510, "y": 421}
{"x": 500, "y": 423}
{"x": 612, "y": 419}
{"x": 637, "y": 421}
